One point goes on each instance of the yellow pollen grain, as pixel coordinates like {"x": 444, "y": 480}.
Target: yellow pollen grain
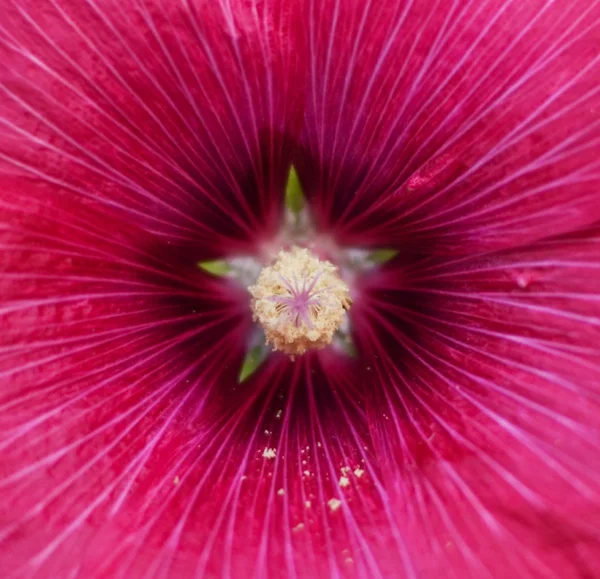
{"x": 344, "y": 481}
{"x": 269, "y": 453}
{"x": 300, "y": 301}
{"x": 334, "y": 504}
{"x": 359, "y": 472}
{"x": 281, "y": 492}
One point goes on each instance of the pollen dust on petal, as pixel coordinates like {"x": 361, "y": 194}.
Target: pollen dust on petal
{"x": 334, "y": 504}
{"x": 269, "y": 453}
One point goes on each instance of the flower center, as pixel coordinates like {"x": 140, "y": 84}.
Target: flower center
{"x": 300, "y": 302}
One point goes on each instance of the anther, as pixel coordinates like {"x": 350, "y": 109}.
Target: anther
{"x": 300, "y": 301}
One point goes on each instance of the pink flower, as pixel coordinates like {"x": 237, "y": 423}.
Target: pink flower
{"x": 138, "y": 138}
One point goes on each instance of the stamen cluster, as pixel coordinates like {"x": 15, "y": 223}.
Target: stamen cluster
{"x": 300, "y": 302}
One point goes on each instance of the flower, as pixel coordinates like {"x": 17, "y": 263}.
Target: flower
{"x": 139, "y": 138}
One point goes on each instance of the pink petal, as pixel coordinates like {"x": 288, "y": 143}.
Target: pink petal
{"x": 469, "y": 124}
{"x": 112, "y": 347}
{"x": 175, "y": 115}
{"x": 490, "y": 401}
{"x": 126, "y": 459}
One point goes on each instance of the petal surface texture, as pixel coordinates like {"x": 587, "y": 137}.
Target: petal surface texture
{"x": 140, "y": 137}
